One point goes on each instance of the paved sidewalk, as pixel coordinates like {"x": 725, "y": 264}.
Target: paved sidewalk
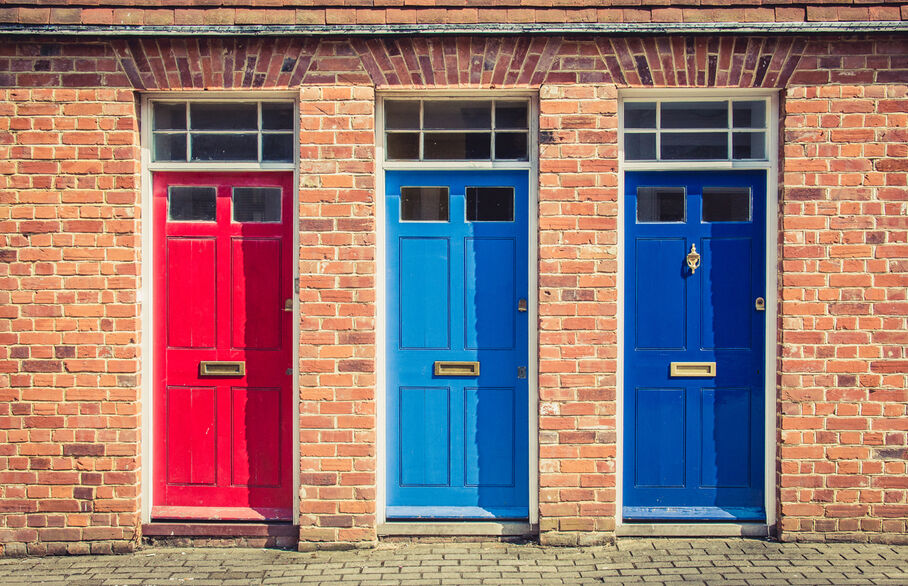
{"x": 656, "y": 561}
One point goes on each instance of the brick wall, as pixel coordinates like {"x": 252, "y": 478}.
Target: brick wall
{"x": 843, "y": 393}
{"x": 69, "y": 204}
{"x": 69, "y": 331}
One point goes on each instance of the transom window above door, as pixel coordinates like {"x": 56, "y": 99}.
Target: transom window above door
{"x": 457, "y": 130}
{"x": 241, "y": 131}
{"x": 695, "y": 130}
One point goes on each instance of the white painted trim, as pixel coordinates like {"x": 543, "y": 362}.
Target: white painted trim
{"x": 532, "y": 167}
{"x": 686, "y": 530}
{"x": 770, "y": 392}
{"x": 146, "y": 299}
{"x": 771, "y": 165}
{"x": 381, "y": 302}
{"x": 295, "y": 330}
{"x": 146, "y": 291}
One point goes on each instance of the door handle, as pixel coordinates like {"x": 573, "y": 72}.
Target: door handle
{"x": 222, "y": 368}
{"x": 456, "y": 368}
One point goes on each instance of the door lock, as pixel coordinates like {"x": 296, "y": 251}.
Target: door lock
{"x": 693, "y": 259}
{"x": 288, "y": 304}
{"x": 521, "y": 305}
{"x": 760, "y": 304}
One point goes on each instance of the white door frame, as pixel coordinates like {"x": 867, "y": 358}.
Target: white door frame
{"x": 146, "y": 290}
{"x": 441, "y": 527}
{"x": 771, "y": 165}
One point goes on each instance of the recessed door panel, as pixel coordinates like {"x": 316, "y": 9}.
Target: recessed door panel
{"x": 223, "y": 390}
{"x": 489, "y": 294}
{"x": 191, "y": 292}
{"x": 191, "y": 435}
{"x": 425, "y": 436}
{"x": 726, "y": 294}
{"x": 694, "y": 346}
{"x": 256, "y": 303}
{"x": 256, "y": 436}
{"x": 489, "y": 437}
{"x": 425, "y": 265}
{"x": 457, "y": 345}
{"x": 725, "y": 436}
{"x": 659, "y": 420}
{"x": 662, "y": 323}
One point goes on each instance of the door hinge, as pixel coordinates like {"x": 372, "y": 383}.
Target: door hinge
{"x": 296, "y": 284}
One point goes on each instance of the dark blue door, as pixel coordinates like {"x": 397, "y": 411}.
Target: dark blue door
{"x": 457, "y": 344}
{"x": 694, "y": 340}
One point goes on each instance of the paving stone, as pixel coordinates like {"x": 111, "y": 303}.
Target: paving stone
{"x": 631, "y": 561}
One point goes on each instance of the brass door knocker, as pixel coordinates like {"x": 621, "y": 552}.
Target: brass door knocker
{"x": 693, "y": 259}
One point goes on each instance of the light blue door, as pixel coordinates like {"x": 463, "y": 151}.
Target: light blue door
{"x": 457, "y": 344}
{"x": 694, "y": 288}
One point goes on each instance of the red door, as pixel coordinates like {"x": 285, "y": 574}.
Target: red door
{"x": 223, "y": 328}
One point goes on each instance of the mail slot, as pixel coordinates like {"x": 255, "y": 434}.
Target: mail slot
{"x": 693, "y": 369}
{"x": 222, "y": 368}
{"x": 453, "y": 368}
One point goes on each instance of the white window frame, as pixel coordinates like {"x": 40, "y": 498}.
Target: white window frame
{"x": 148, "y": 131}
{"x": 729, "y": 131}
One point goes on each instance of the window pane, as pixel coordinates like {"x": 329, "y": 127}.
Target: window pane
{"x": 192, "y": 204}
{"x": 424, "y": 204}
{"x": 402, "y": 115}
{"x": 694, "y": 115}
{"x": 726, "y": 204}
{"x": 277, "y": 147}
{"x": 660, "y": 204}
{"x": 277, "y": 116}
{"x": 640, "y": 147}
{"x": 511, "y": 115}
{"x": 639, "y": 115}
{"x": 170, "y": 116}
{"x": 256, "y": 204}
{"x": 490, "y": 204}
{"x": 403, "y": 145}
{"x": 748, "y": 145}
{"x": 225, "y": 147}
{"x": 206, "y": 116}
{"x": 748, "y": 114}
{"x": 169, "y": 147}
{"x": 457, "y": 115}
{"x": 694, "y": 145}
{"x": 458, "y": 145}
{"x": 511, "y": 145}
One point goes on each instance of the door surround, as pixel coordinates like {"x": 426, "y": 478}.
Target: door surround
{"x": 770, "y": 165}
{"x": 146, "y": 292}
{"x": 446, "y": 527}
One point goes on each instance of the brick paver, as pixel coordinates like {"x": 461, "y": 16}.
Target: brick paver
{"x": 631, "y": 561}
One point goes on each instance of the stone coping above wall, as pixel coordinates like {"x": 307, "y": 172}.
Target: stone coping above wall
{"x": 516, "y": 13}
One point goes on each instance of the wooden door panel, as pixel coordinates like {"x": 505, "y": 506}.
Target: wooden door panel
{"x": 256, "y": 303}
{"x": 191, "y": 440}
{"x": 256, "y": 436}
{"x": 191, "y": 292}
